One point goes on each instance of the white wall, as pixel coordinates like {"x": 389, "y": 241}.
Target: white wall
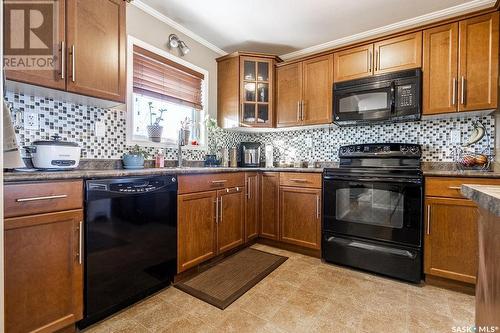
{"x": 149, "y": 29}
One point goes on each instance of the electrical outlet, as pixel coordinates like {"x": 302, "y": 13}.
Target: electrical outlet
{"x": 31, "y": 121}
{"x": 100, "y": 129}
{"x": 455, "y": 136}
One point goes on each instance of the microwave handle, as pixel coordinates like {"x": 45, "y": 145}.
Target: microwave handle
{"x": 393, "y": 97}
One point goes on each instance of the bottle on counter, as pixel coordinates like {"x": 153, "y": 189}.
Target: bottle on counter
{"x": 160, "y": 159}
{"x": 233, "y": 157}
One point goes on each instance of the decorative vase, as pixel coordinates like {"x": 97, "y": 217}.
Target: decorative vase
{"x": 154, "y": 132}
{"x": 133, "y": 161}
{"x": 187, "y": 134}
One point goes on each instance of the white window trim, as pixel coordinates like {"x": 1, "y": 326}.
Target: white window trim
{"x": 131, "y": 41}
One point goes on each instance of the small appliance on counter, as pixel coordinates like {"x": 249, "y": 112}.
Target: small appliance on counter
{"x": 250, "y": 154}
{"x": 54, "y": 154}
{"x": 269, "y": 156}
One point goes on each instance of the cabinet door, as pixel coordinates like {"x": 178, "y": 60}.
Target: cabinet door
{"x": 440, "y": 69}
{"x": 43, "y": 271}
{"x": 257, "y": 75}
{"x": 228, "y": 92}
{"x": 353, "y": 63}
{"x": 47, "y": 78}
{"x": 478, "y": 63}
{"x": 300, "y": 216}
{"x": 317, "y": 94}
{"x": 196, "y": 240}
{"x": 451, "y": 239}
{"x": 288, "y": 94}
{"x": 398, "y": 53}
{"x": 230, "y": 228}
{"x": 251, "y": 205}
{"x": 97, "y": 48}
{"x": 269, "y": 205}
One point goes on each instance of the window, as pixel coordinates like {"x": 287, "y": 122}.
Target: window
{"x": 164, "y": 90}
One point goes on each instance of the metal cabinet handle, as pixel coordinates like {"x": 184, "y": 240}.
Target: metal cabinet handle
{"x": 298, "y": 110}
{"x": 80, "y": 242}
{"x": 298, "y": 180}
{"x": 377, "y": 65}
{"x": 302, "y": 110}
{"x": 370, "y": 61}
{"x": 428, "y": 219}
{"x": 221, "y": 210}
{"x": 219, "y": 181}
{"x": 73, "y": 65}
{"x": 216, "y": 210}
{"x": 454, "y": 187}
{"x": 63, "y": 59}
{"x": 49, "y": 197}
{"x": 454, "y": 95}
{"x": 249, "y": 192}
{"x": 462, "y": 93}
{"x": 317, "y": 207}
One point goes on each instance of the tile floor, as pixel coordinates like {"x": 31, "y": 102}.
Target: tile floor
{"x": 303, "y": 295}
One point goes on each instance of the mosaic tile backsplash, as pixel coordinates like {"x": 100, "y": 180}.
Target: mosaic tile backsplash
{"x": 76, "y": 123}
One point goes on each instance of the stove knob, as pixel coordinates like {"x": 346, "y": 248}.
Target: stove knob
{"x": 387, "y": 149}
{"x": 351, "y": 149}
{"x": 403, "y": 149}
{"x": 414, "y": 150}
{"x": 343, "y": 150}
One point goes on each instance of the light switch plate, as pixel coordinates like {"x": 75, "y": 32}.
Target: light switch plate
{"x": 100, "y": 129}
{"x": 455, "y": 136}
{"x": 30, "y": 120}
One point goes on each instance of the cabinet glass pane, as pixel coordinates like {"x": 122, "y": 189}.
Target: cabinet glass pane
{"x": 250, "y": 91}
{"x": 262, "y": 113}
{"x": 248, "y": 113}
{"x": 263, "y": 92}
{"x": 249, "y": 70}
{"x": 263, "y": 71}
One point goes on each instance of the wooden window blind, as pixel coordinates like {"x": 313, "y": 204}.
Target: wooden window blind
{"x": 161, "y": 78}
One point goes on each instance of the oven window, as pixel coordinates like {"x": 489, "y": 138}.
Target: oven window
{"x": 368, "y": 205}
{"x": 362, "y": 102}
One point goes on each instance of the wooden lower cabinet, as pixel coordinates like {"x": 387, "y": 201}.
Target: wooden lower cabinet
{"x": 300, "y": 216}
{"x": 251, "y": 205}
{"x": 196, "y": 228}
{"x": 43, "y": 271}
{"x": 451, "y": 239}
{"x": 230, "y": 227}
{"x": 269, "y": 205}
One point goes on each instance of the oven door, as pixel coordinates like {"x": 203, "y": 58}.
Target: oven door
{"x": 384, "y": 208}
{"x": 371, "y": 102}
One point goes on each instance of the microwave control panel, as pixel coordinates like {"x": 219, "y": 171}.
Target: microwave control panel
{"x": 406, "y": 96}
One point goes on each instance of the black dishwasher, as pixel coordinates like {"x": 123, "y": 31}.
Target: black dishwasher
{"x": 130, "y": 242}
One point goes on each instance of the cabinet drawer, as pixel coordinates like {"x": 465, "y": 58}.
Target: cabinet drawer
{"x": 200, "y": 183}
{"x": 450, "y": 187}
{"x": 298, "y": 179}
{"x": 23, "y": 199}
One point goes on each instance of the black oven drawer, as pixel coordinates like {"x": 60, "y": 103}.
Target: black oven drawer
{"x": 400, "y": 262}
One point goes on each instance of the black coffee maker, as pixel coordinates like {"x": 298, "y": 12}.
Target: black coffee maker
{"x": 250, "y": 154}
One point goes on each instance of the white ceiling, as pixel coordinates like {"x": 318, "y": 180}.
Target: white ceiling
{"x": 285, "y": 26}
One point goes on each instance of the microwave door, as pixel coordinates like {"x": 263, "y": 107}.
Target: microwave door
{"x": 367, "y": 103}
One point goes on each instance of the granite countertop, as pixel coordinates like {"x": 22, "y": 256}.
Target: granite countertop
{"x": 486, "y": 196}
{"x": 104, "y": 173}
{"x": 450, "y": 169}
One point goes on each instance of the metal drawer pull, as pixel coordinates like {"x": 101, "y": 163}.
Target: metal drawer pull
{"x": 299, "y": 180}
{"x": 428, "y": 219}
{"x": 80, "y": 242}
{"x": 220, "y": 209}
{"x": 317, "y": 206}
{"x": 219, "y": 181}
{"x": 49, "y": 197}
{"x": 454, "y": 187}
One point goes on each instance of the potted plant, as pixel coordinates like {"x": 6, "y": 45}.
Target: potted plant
{"x": 134, "y": 159}
{"x": 186, "y": 130}
{"x": 154, "y": 128}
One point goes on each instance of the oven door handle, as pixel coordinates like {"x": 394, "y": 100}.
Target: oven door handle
{"x": 373, "y": 247}
{"x": 376, "y": 179}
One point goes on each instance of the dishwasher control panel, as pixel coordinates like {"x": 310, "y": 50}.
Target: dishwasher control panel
{"x": 138, "y": 185}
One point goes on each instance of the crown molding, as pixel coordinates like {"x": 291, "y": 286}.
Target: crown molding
{"x": 167, "y": 20}
{"x": 394, "y": 27}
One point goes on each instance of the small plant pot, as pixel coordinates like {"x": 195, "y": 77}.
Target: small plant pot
{"x": 187, "y": 134}
{"x": 133, "y": 161}
{"x": 154, "y": 132}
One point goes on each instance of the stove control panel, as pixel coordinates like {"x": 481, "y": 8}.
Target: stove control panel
{"x": 381, "y": 150}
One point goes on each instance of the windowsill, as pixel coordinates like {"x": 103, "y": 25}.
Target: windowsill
{"x": 142, "y": 143}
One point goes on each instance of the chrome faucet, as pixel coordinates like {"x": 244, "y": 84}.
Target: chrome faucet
{"x": 181, "y": 143}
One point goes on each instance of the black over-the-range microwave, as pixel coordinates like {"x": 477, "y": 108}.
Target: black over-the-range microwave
{"x": 393, "y": 97}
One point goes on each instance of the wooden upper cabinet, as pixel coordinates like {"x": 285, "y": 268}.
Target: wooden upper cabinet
{"x": 196, "y": 233}
{"x": 251, "y": 205}
{"x": 288, "y": 94}
{"x": 48, "y": 78}
{"x": 96, "y": 40}
{"x": 353, "y": 63}
{"x": 269, "y": 204}
{"x": 440, "y": 67}
{"x": 398, "y": 53}
{"x": 451, "y": 239}
{"x": 43, "y": 272}
{"x": 228, "y": 92}
{"x": 230, "y": 228}
{"x": 478, "y": 63}
{"x": 317, "y": 90}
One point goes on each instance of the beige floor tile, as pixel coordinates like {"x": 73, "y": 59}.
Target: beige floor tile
{"x": 241, "y": 321}
{"x": 262, "y": 305}
{"x": 159, "y": 316}
{"x": 187, "y": 324}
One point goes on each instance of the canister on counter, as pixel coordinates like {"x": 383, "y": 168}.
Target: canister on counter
{"x": 233, "y": 157}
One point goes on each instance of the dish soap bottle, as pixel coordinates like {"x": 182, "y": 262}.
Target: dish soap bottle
{"x": 160, "y": 159}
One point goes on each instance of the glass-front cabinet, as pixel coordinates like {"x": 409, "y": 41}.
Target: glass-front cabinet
{"x": 256, "y": 89}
